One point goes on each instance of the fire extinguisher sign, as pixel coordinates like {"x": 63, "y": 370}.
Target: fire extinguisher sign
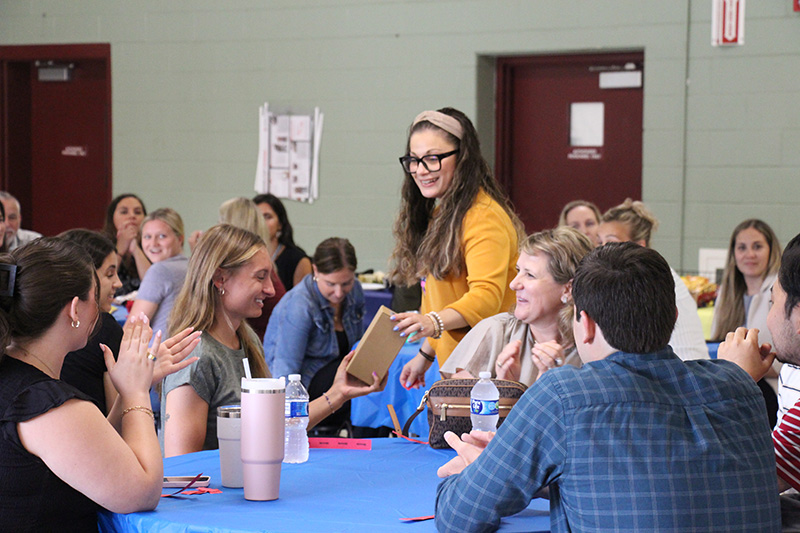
{"x": 727, "y": 22}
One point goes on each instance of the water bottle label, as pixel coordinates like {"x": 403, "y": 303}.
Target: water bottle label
{"x": 296, "y": 409}
{"x": 484, "y": 407}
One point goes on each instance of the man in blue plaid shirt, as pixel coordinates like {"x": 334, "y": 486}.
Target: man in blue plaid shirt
{"x": 636, "y": 439}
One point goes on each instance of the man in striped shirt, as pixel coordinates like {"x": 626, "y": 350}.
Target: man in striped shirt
{"x": 742, "y": 348}
{"x": 784, "y": 324}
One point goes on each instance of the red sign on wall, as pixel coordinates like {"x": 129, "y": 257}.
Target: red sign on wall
{"x": 727, "y": 22}
{"x": 796, "y": 5}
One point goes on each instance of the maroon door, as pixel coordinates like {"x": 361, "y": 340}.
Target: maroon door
{"x": 56, "y": 135}
{"x": 561, "y": 137}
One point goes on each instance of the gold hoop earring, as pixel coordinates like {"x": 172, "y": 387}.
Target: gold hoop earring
{"x": 76, "y": 324}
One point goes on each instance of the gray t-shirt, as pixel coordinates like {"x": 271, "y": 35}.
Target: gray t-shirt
{"x": 216, "y": 377}
{"x": 161, "y": 284}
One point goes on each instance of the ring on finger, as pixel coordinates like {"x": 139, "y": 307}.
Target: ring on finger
{"x": 151, "y": 355}
{"x": 559, "y": 361}
{"x": 500, "y": 365}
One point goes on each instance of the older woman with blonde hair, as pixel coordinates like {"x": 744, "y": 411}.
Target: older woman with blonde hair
{"x": 538, "y": 331}
{"x": 228, "y": 280}
{"x": 633, "y": 221}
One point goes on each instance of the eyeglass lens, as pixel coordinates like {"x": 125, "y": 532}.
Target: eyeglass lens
{"x": 431, "y": 162}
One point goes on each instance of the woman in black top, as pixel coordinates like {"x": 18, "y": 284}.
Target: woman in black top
{"x": 60, "y": 458}
{"x": 85, "y": 369}
{"x": 123, "y": 220}
{"x": 290, "y": 260}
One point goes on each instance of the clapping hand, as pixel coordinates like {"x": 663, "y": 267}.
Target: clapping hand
{"x": 468, "y": 447}
{"x": 546, "y": 356}
{"x": 507, "y": 365}
{"x": 132, "y": 372}
{"x": 173, "y": 354}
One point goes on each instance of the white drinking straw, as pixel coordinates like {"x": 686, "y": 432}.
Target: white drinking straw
{"x": 246, "y": 364}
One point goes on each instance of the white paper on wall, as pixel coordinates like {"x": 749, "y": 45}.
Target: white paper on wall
{"x": 279, "y": 182}
{"x": 288, "y": 156}
{"x": 300, "y": 128}
{"x": 299, "y": 170}
{"x": 279, "y": 141}
{"x": 262, "y": 166}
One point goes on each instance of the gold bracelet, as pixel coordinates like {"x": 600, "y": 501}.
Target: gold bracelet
{"x": 141, "y": 408}
{"x": 329, "y": 402}
{"x": 438, "y": 324}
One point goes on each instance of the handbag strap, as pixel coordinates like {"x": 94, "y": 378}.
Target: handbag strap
{"x": 421, "y": 407}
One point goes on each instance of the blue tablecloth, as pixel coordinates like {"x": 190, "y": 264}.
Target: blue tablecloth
{"x": 371, "y": 411}
{"x": 373, "y": 300}
{"x": 713, "y": 347}
{"x": 336, "y": 490}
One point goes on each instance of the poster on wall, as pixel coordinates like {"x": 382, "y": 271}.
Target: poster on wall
{"x": 727, "y": 22}
{"x": 288, "y": 154}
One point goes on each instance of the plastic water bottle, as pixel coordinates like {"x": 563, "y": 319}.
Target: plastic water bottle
{"x": 484, "y": 404}
{"x": 296, "y": 414}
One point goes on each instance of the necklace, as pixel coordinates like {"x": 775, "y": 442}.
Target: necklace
{"x": 277, "y": 252}
{"x": 52, "y": 373}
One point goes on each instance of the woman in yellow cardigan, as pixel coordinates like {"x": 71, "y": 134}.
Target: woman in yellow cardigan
{"x": 456, "y": 228}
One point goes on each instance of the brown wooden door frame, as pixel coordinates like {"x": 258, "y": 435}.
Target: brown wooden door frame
{"x": 15, "y": 112}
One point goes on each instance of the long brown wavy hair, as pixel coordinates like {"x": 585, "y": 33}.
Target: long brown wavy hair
{"x": 729, "y": 307}
{"x": 428, "y": 239}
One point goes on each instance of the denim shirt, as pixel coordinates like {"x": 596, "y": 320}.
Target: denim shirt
{"x": 300, "y": 337}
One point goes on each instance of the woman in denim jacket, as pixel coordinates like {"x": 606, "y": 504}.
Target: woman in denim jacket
{"x": 314, "y": 325}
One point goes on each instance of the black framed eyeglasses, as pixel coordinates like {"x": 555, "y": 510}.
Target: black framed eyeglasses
{"x": 432, "y": 162}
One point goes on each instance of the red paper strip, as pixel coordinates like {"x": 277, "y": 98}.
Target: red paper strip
{"x": 339, "y": 444}
{"x": 202, "y": 490}
{"x": 409, "y": 438}
{"x": 417, "y": 519}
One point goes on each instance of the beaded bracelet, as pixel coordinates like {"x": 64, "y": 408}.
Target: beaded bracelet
{"x": 427, "y": 356}
{"x": 141, "y": 408}
{"x": 438, "y": 324}
{"x": 329, "y": 402}
{"x": 436, "y": 332}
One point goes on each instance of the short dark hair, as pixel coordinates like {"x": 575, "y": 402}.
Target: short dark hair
{"x": 628, "y": 290}
{"x": 789, "y": 274}
{"x": 286, "y": 237}
{"x": 97, "y": 245}
{"x": 333, "y": 254}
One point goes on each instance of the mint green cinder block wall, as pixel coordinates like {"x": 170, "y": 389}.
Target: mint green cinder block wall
{"x": 721, "y": 126}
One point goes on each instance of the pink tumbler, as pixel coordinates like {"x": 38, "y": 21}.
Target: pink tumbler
{"x": 263, "y": 403}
